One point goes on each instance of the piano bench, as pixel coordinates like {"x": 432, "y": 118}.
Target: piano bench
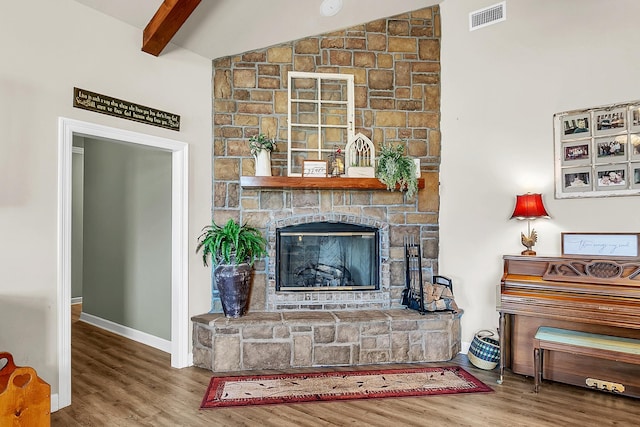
{"x": 582, "y": 343}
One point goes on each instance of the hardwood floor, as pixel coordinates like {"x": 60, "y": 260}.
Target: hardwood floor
{"x": 118, "y": 382}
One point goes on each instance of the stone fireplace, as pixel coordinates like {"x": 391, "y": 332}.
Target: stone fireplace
{"x": 327, "y": 327}
{"x": 320, "y": 327}
{"x": 396, "y": 66}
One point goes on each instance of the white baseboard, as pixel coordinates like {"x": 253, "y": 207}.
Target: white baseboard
{"x": 125, "y": 331}
{"x": 465, "y": 347}
{"x": 76, "y": 300}
{"x": 54, "y": 402}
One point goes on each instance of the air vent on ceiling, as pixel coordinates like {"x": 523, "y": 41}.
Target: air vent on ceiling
{"x": 488, "y": 16}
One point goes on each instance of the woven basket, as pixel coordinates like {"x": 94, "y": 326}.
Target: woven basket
{"x": 484, "y": 351}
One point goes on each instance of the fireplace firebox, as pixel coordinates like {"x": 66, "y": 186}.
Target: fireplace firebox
{"x": 327, "y": 256}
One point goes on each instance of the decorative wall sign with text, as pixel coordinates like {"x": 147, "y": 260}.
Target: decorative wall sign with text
{"x": 124, "y": 109}
{"x": 601, "y": 244}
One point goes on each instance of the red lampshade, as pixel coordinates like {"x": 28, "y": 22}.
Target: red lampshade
{"x": 529, "y": 206}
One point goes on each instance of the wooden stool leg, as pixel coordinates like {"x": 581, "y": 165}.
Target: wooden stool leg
{"x": 502, "y": 341}
{"x": 537, "y": 370}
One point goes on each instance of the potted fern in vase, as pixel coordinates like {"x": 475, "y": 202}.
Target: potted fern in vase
{"x": 397, "y": 171}
{"x": 233, "y": 249}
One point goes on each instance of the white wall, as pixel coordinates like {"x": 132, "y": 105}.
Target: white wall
{"x": 53, "y": 47}
{"x": 501, "y": 86}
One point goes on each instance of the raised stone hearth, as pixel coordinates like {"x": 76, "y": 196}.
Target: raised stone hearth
{"x": 266, "y": 340}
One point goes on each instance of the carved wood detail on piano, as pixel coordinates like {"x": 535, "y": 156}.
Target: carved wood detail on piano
{"x": 594, "y": 271}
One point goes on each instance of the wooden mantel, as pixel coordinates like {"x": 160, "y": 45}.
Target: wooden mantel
{"x": 334, "y": 183}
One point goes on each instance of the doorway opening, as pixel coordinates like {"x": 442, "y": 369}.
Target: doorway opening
{"x": 67, "y": 129}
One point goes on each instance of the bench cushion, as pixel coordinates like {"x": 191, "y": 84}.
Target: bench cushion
{"x": 586, "y": 339}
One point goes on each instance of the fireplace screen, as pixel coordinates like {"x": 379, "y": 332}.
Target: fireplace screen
{"x": 327, "y": 256}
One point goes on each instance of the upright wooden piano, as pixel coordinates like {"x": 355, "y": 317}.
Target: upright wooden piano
{"x": 590, "y": 295}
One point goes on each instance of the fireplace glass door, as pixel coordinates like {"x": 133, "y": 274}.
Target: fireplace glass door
{"x": 326, "y": 256}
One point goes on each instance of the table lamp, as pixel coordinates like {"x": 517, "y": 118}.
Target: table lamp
{"x": 529, "y": 206}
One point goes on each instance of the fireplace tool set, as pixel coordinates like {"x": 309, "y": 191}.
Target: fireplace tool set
{"x": 435, "y": 296}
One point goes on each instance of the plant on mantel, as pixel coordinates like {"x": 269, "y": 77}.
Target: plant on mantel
{"x": 261, "y": 147}
{"x": 260, "y": 142}
{"x": 395, "y": 170}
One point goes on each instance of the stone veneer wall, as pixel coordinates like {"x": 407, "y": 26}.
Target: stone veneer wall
{"x": 396, "y": 66}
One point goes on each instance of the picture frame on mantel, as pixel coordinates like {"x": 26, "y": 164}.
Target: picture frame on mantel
{"x": 609, "y": 245}
{"x": 597, "y": 151}
{"x": 314, "y": 168}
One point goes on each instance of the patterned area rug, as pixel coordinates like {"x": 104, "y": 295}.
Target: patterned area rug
{"x": 326, "y": 386}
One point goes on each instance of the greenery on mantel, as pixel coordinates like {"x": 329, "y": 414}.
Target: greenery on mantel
{"x": 261, "y": 142}
{"x": 395, "y": 170}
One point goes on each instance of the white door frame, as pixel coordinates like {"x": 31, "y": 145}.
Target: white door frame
{"x": 180, "y": 352}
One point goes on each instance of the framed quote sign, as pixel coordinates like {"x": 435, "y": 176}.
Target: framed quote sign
{"x": 315, "y": 168}
{"x": 608, "y": 245}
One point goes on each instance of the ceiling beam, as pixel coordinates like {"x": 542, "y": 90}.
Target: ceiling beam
{"x": 165, "y": 24}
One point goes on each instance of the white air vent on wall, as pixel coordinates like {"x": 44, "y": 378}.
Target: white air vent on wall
{"x": 488, "y": 16}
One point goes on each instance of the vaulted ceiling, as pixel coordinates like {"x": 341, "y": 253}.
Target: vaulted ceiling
{"x": 218, "y": 28}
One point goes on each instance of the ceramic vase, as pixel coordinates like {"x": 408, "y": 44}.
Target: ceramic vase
{"x": 263, "y": 163}
{"x": 234, "y": 284}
